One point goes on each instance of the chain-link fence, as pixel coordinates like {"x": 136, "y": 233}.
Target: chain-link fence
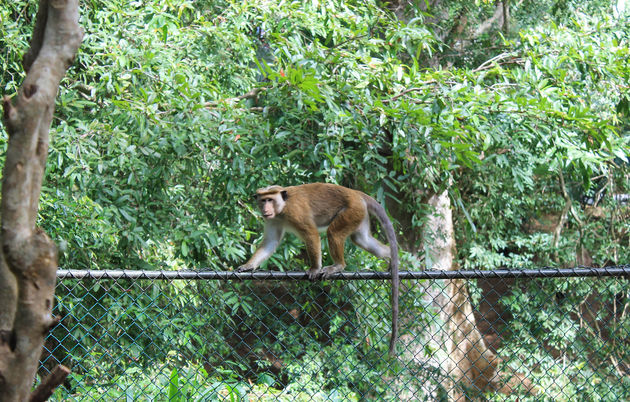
{"x": 506, "y": 335}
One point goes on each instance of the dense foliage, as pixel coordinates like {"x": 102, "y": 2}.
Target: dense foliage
{"x": 158, "y": 141}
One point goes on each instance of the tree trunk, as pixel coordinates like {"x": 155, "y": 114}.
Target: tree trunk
{"x": 470, "y": 364}
{"x": 500, "y": 18}
{"x": 29, "y": 258}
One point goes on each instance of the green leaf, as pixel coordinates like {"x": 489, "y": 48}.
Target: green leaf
{"x": 173, "y": 387}
{"x": 266, "y": 379}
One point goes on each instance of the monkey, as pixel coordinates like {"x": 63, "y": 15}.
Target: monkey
{"x": 308, "y": 209}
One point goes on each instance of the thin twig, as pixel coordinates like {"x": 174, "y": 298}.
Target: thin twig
{"x": 563, "y": 218}
{"x": 249, "y": 95}
{"x": 408, "y": 90}
{"x": 488, "y": 64}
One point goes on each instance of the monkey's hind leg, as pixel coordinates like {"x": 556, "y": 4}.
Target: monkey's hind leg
{"x": 328, "y": 270}
{"x": 336, "y": 242}
{"x": 364, "y": 239}
{"x": 344, "y": 224}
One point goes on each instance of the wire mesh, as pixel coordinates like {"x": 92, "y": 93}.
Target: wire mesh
{"x": 543, "y": 334}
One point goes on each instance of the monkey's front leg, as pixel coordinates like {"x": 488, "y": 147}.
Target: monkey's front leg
{"x": 271, "y": 240}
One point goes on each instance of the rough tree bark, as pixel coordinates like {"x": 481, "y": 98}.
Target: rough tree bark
{"x": 28, "y": 261}
{"x": 470, "y": 362}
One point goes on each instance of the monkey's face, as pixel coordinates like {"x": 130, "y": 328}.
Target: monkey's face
{"x": 271, "y": 205}
{"x": 271, "y": 200}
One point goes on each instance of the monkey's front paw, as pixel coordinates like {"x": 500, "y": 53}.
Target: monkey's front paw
{"x": 245, "y": 268}
{"x": 314, "y": 274}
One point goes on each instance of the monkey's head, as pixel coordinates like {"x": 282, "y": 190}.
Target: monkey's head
{"x": 271, "y": 200}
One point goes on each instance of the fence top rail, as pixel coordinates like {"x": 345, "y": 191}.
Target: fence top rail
{"x": 616, "y": 271}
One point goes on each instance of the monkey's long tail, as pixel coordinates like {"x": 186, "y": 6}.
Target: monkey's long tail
{"x": 377, "y": 210}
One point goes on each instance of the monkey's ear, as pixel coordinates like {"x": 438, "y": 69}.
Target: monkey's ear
{"x": 284, "y": 194}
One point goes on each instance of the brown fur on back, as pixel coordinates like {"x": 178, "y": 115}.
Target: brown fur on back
{"x": 324, "y": 198}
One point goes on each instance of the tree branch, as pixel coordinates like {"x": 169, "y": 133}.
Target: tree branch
{"x": 38, "y": 36}
{"x": 46, "y": 388}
